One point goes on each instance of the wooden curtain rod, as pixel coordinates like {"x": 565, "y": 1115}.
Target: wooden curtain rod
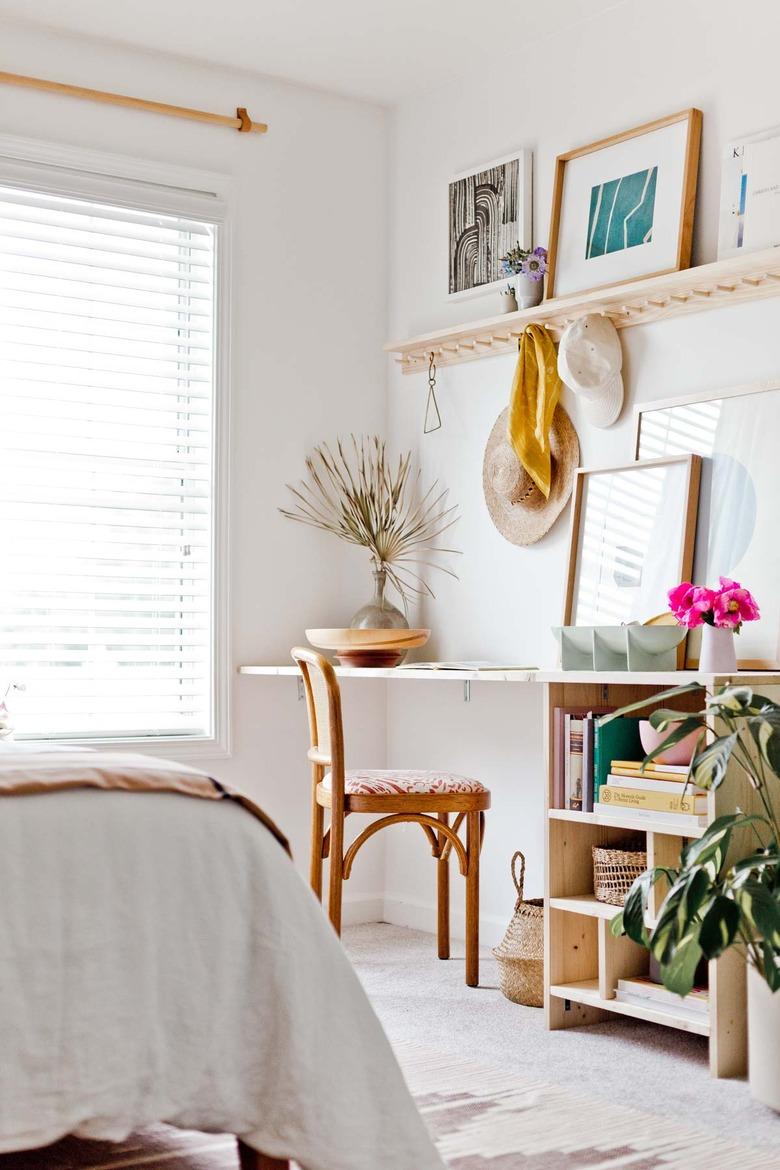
{"x": 241, "y": 122}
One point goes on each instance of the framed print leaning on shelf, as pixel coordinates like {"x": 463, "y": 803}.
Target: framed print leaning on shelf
{"x": 623, "y": 207}
{"x": 750, "y": 195}
{"x": 489, "y": 213}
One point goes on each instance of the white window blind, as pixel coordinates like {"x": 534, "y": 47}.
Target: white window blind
{"x": 106, "y": 469}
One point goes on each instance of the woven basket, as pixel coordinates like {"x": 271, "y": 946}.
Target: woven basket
{"x": 521, "y": 951}
{"x": 615, "y": 871}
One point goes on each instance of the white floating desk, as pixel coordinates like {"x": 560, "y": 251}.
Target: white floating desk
{"x": 669, "y": 678}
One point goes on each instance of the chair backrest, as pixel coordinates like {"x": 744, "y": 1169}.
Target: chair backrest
{"x": 326, "y": 731}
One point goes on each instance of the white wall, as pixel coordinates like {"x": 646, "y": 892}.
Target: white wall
{"x": 627, "y": 66}
{"x": 308, "y": 321}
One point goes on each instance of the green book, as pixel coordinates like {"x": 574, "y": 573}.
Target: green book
{"x": 618, "y": 740}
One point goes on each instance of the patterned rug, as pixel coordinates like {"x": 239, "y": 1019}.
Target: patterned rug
{"x": 482, "y": 1119}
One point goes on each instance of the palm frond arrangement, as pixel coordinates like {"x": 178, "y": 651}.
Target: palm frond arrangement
{"x": 359, "y": 495}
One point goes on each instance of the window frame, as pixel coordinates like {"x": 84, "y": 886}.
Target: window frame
{"x": 172, "y": 190}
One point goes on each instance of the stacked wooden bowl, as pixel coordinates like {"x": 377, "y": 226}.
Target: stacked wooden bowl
{"x": 368, "y": 647}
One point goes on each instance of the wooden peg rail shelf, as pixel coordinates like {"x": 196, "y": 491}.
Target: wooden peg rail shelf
{"x": 726, "y": 282}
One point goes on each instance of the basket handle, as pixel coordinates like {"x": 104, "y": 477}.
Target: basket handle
{"x": 519, "y": 881}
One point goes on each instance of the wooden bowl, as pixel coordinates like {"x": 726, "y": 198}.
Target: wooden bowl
{"x": 348, "y": 641}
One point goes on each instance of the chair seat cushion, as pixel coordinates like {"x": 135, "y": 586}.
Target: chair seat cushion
{"x": 383, "y": 782}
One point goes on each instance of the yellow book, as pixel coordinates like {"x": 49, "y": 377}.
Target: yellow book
{"x": 656, "y": 771}
{"x": 642, "y": 798}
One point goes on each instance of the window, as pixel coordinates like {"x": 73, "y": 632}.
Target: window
{"x": 107, "y": 484}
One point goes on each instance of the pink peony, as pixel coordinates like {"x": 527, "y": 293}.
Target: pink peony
{"x": 733, "y": 605}
{"x": 689, "y": 603}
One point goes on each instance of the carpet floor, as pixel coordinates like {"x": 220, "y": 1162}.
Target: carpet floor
{"x": 499, "y": 1092}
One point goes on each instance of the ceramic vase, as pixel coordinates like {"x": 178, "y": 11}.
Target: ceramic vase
{"x": 763, "y": 1041}
{"x": 528, "y": 292}
{"x": 379, "y": 614}
{"x": 718, "y": 654}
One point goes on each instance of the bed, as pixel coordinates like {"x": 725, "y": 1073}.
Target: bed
{"x": 162, "y": 960}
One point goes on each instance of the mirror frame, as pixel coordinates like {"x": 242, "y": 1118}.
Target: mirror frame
{"x": 744, "y": 389}
{"x": 692, "y": 463}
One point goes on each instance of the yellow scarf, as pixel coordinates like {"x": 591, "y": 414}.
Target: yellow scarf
{"x": 535, "y": 392}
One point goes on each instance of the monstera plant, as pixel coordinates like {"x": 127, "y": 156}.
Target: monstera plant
{"x": 716, "y": 898}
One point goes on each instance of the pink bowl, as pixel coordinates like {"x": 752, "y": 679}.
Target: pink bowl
{"x": 678, "y": 753}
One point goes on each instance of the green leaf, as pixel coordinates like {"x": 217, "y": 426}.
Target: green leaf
{"x": 680, "y": 972}
{"x": 616, "y": 925}
{"x": 710, "y": 849}
{"x": 765, "y": 730}
{"x": 771, "y": 970}
{"x": 731, "y": 701}
{"x": 761, "y": 907}
{"x": 633, "y": 914}
{"x": 710, "y": 765}
{"x": 691, "y": 723}
{"x": 642, "y": 704}
{"x": 678, "y": 912}
{"x": 719, "y": 926}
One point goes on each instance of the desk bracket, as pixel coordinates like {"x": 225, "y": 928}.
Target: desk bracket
{"x": 300, "y": 689}
{"x": 467, "y": 691}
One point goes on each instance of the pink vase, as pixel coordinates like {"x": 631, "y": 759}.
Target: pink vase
{"x": 718, "y": 654}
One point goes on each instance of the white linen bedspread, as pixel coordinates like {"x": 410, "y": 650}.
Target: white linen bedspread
{"x": 161, "y": 960}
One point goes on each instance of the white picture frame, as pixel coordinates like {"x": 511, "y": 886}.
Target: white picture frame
{"x": 476, "y": 242}
{"x": 749, "y": 217}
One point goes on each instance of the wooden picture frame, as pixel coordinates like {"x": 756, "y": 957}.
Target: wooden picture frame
{"x": 677, "y": 563}
{"x": 691, "y": 120}
{"x": 756, "y": 419}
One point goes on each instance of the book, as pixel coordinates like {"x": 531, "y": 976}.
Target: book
{"x": 618, "y": 739}
{"x": 587, "y": 763}
{"x": 618, "y": 813}
{"x": 560, "y": 753}
{"x": 676, "y": 1009}
{"x": 653, "y": 766}
{"x": 652, "y": 784}
{"x": 575, "y": 762}
{"x": 643, "y": 798}
{"x": 639, "y": 986}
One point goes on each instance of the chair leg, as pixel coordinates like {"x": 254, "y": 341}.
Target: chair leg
{"x": 443, "y": 884}
{"x": 336, "y": 870}
{"x": 317, "y": 831}
{"x": 250, "y": 1159}
{"x": 472, "y": 899}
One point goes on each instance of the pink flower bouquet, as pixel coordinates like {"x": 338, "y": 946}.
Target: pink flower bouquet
{"x": 726, "y": 608}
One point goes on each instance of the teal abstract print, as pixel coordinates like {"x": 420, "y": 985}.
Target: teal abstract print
{"x": 621, "y": 213}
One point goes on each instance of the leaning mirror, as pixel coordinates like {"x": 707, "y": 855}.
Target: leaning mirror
{"x": 631, "y": 540}
{"x": 735, "y": 433}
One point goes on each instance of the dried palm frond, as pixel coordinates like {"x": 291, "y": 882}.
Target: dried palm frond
{"x": 360, "y": 497}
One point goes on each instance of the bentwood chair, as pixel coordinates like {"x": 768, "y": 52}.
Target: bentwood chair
{"x": 426, "y": 798}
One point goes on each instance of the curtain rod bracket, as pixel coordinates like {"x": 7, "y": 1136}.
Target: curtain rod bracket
{"x": 244, "y": 119}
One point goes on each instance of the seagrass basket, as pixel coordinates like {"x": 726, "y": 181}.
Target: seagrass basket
{"x": 520, "y": 954}
{"x": 615, "y": 871}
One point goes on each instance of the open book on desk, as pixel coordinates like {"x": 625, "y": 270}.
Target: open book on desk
{"x": 474, "y": 665}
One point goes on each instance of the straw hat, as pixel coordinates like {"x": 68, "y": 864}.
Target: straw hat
{"x": 516, "y": 506}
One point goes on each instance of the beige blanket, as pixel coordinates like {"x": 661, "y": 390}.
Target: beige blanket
{"x": 26, "y": 772}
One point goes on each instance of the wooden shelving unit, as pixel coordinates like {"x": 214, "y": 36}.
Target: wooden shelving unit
{"x": 743, "y": 278}
{"x": 583, "y": 961}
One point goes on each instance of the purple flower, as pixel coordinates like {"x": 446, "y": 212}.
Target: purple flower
{"x": 535, "y": 265}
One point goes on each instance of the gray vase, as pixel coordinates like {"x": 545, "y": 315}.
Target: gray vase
{"x": 379, "y": 614}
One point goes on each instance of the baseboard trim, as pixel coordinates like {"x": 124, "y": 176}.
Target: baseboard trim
{"x": 362, "y": 908}
{"x": 419, "y": 915}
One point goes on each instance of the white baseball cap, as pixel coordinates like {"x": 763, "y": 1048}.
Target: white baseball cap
{"x": 589, "y": 362}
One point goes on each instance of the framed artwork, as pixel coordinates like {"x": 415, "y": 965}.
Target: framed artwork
{"x": 489, "y": 213}
{"x": 623, "y": 207}
{"x": 632, "y": 539}
{"x": 732, "y": 430}
{"x": 750, "y": 194}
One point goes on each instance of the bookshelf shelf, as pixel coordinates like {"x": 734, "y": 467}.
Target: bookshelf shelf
{"x": 587, "y": 904}
{"x": 586, "y": 991}
{"x": 627, "y": 823}
{"x": 583, "y": 960}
